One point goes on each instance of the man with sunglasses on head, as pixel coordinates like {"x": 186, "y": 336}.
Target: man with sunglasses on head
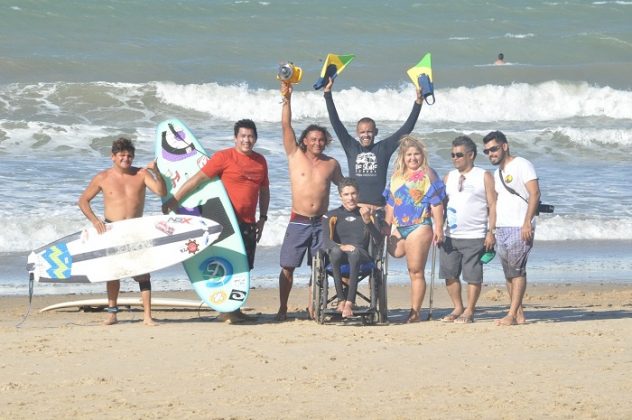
{"x": 518, "y": 192}
{"x": 471, "y": 217}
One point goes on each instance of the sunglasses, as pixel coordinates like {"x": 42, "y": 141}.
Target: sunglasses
{"x": 491, "y": 150}
{"x": 457, "y": 155}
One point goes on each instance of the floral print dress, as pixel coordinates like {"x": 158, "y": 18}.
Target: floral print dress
{"x": 412, "y": 195}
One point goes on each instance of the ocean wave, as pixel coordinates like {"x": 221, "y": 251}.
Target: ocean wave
{"x": 104, "y": 104}
{"x": 519, "y": 36}
{"x": 595, "y": 137}
{"x": 547, "y": 101}
{"x": 85, "y": 117}
{"x": 601, "y": 3}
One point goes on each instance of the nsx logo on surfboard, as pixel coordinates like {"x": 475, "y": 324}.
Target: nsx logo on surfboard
{"x": 180, "y": 219}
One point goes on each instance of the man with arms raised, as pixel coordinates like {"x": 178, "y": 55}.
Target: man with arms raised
{"x": 368, "y": 160}
{"x": 311, "y": 175}
{"x": 471, "y": 216}
{"x": 244, "y": 174}
{"x": 518, "y": 192}
{"x": 123, "y": 187}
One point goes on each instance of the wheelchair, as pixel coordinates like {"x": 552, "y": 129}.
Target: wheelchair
{"x": 324, "y": 296}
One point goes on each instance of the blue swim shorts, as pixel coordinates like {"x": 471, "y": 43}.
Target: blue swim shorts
{"x": 303, "y": 234}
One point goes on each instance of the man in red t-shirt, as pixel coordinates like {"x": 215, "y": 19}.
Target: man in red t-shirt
{"x": 244, "y": 174}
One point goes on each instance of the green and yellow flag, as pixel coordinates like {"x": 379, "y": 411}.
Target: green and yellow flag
{"x": 334, "y": 65}
{"x": 424, "y": 66}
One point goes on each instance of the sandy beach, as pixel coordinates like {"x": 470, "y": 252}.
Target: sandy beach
{"x": 572, "y": 360}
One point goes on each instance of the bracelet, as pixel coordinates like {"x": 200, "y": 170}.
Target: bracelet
{"x": 263, "y": 217}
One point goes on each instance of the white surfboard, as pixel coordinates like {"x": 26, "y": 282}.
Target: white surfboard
{"x": 128, "y": 248}
{"x": 128, "y": 301}
{"x": 220, "y": 275}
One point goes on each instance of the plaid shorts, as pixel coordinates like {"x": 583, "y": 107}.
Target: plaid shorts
{"x": 513, "y": 251}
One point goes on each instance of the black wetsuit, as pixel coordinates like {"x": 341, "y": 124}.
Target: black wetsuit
{"x": 369, "y": 165}
{"x": 341, "y": 226}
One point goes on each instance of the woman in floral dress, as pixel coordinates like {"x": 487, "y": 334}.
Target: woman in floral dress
{"x": 414, "y": 208}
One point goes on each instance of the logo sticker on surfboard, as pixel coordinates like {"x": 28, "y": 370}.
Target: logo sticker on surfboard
{"x": 238, "y": 295}
{"x": 216, "y": 271}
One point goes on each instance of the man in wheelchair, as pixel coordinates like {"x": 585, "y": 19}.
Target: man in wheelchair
{"x": 347, "y": 232}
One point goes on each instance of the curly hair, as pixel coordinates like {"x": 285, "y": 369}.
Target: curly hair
{"x": 310, "y": 128}
{"x": 123, "y": 145}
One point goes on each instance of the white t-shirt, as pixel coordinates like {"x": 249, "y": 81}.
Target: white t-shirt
{"x": 466, "y": 209}
{"x": 511, "y": 209}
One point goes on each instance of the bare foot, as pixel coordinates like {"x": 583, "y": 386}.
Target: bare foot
{"x": 453, "y": 316}
{"x": 230, "y": 317}
{"x": 150, "y": 322}
{"x": 244, "y": 317}
{"x": 110, "y": 320}
{"x": 413, "y": 316}
{"x": 281, "y": 315}
{"x": 506, "y": 321}
{"x": 341, "y": 306}
{"x": 347, "y": 312}
{"x": 311, "y": 314}
{"x": 520, "y": 318}
{"x": 464, "y": 319}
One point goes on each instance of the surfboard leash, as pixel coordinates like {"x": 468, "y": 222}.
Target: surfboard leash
{"x": 28, "y": 311}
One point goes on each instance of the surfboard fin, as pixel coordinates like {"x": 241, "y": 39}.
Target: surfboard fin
{"x": 334, "y": 65}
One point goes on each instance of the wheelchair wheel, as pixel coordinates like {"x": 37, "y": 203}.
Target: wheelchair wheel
{"x": 324, "y": 298}
{"x": 316, "y": 283}
{"x": 383, "y": 289}
{"x": 319, "y": 287}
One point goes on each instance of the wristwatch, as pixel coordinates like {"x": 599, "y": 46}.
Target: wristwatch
{"x": 263, "y": 217}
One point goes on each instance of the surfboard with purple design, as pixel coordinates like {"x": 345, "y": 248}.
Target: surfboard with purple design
{"x": 220, "y": 274}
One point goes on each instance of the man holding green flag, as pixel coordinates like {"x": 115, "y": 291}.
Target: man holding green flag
{"x": 367, "y": 159}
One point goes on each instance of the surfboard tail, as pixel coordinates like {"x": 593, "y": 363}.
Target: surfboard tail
{"x": 334, "y": 65}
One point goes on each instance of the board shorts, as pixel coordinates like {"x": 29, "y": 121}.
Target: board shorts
{"x": 513, "y": 251}
{"x": 303, "y": 234}
{"x": 407, "y": 230}
{"x": 462, "y": 257}
{"x": 249, "y": 235}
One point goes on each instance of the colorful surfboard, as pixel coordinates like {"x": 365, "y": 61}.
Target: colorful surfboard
{"x": 220, "y": 274}
{"x": 334, "y": 65}
{"x": 127, "y": 248}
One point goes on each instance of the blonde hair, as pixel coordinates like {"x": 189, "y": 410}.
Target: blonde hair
{"x": 406, "y": 143}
